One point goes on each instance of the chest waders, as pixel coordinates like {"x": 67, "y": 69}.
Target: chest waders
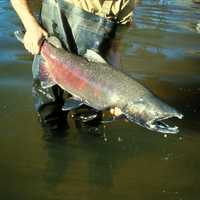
{"x": 78, "y": 31}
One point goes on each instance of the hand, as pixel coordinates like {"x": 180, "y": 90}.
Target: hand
{"x": 33, "y": 38}
{"x": 115, "y": 111}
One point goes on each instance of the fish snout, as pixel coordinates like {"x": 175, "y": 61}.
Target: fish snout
{"x": 158, "y": 124}
{"x": 153, "y": 115}
{"x": 162, "y": 112}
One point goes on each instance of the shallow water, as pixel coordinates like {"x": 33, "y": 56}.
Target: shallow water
{"x": 124, "y": 161}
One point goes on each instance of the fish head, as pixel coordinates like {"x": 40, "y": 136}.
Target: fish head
{"x": 150, "y": 112}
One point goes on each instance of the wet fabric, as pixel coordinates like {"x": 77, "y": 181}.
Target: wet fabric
{"x": 78, "y": 31}
{"x": 120, "y": 10}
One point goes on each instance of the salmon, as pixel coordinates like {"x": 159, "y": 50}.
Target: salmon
{"x": 100, "y": 86}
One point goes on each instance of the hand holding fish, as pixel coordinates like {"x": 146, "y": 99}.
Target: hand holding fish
{"x": 115, "y": 111}
{"x": 33, "y": 38}
{"x": 126, "y": 97}
{"x": 34, "y": 32}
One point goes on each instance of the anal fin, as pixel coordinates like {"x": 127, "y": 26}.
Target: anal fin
{"x": 71, "y": 104}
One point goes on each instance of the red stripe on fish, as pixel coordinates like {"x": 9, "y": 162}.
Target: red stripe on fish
{"x": 62, "y": 72}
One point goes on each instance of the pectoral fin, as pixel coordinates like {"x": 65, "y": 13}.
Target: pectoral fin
{"x": 44, "y": 76}
{"x": 93, "y": 56}
{"x": 71, "y": 103}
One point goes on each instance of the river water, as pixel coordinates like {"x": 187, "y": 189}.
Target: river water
{"x": 123, "y": 161}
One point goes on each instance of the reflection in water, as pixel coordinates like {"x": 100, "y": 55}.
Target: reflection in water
{"x": 121, "y": 160}
{"x": 95, "y": 167}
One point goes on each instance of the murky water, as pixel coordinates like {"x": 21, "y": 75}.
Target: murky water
{"x": 125, "y": 161}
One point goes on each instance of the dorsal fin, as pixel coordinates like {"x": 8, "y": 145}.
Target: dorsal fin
{"x": 55, "y": 42}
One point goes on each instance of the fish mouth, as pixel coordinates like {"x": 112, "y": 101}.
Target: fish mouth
{"x": 160, "y": 126}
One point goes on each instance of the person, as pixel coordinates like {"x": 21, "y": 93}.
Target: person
{"x": 80, "y": 25}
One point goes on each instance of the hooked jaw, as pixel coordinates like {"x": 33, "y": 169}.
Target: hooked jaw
{"x": 160, "y": 126}
{"x": 155, "y": 122}
{"x": 151, "y": 112}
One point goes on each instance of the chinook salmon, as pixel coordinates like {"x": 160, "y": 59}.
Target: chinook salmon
{"x": 100, "y": 86}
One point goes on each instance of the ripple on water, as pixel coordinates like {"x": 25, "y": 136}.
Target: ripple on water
{"x": 127, "y": 161}
{"x": 169, "y": 17}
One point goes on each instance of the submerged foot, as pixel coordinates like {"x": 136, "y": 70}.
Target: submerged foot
{"x": 53, "y": 120}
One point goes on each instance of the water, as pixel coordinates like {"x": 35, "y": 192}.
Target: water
{"x": 125, "y": 161}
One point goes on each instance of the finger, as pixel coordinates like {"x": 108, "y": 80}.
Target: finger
{"x": 36, "y": 49}
{"x": 112, "y": 111}
{"x": 40, "y": 42}
{"x": 116, "y": 111}
{"x": 27, "y": 44}
{"x": 27, "y": 47}
{"x": 45, "y": 34}
{"x": 31, "y": 48}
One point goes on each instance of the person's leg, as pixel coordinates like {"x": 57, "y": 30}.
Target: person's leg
{"x": 48, "y": 102}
